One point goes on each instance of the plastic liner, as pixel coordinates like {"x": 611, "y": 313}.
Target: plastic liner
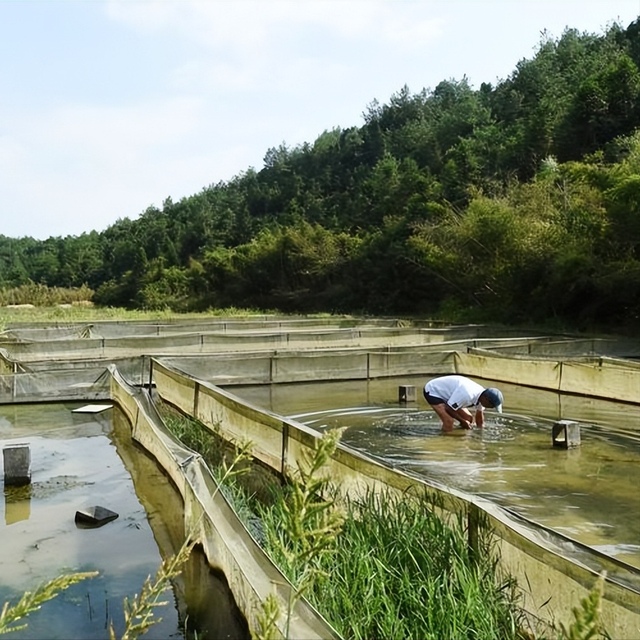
{"x": 54, "y": 386}
{"x": 209, "y": 518}
{"x": 111, "y": 341}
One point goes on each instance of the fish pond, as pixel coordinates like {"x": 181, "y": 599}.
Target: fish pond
{"x": 588, "y": 493}
{"x": 79, "y": 460}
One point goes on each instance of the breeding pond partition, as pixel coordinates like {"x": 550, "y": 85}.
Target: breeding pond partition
{"x": 212, "y": 521}
{"x": 554, "y": 572}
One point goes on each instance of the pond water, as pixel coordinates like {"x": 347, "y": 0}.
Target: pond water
{"x": 588, "y": 493}
{"x": 80, "y": 460}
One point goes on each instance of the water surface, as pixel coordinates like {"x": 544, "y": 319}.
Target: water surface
{"x": 79, "y": 460}
{"x": 588, "y": 493}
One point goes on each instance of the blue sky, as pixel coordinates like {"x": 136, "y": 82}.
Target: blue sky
{"x": 109, "y": 107}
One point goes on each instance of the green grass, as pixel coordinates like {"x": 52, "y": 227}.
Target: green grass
{"x": 78, "y": 314}
{"x": 399, "y": 571}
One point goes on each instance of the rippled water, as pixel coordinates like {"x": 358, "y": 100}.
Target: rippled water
{"x": 588, "y": 493}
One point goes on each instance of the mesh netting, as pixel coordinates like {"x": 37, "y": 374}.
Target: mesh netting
{"x": 185, "y": 362}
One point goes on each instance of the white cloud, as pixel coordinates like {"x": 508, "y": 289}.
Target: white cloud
{"x": 247, "y": 26}
{"x": 81, "y": 143}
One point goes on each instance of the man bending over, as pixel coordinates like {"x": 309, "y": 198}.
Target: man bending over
{"x": 459, "y": 398}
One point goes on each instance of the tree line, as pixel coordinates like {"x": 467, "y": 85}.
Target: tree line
{"x": 518, "y": 202}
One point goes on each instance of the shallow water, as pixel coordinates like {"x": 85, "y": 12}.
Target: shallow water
{"x": 80, "y": 460}
{"x": 588, "y": 493}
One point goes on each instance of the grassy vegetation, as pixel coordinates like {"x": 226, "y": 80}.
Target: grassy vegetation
{"x": 306, "y": 534}
{"x": 220, "y": 456}
{"x": 75, "y": 313}
{"x": 41, "y": 295}
{"x": 39, "y": 303}
{"x": 399, "y": 571}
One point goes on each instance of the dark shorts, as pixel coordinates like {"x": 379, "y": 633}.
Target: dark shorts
{"x": 432, "y": 399}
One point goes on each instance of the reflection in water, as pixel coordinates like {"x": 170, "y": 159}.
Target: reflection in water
{"x": 17, "y": 503}
{"x": 206, "y": 607}
{"x": 210, "y": 612}
{"x": 588, "y": 493}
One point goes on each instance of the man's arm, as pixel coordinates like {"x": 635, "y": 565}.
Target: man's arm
{"x": 462, "y": 415}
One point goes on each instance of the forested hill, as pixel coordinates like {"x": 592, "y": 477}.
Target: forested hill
{"x": 515, "y": 202}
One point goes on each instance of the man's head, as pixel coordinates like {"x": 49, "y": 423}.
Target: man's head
{"x": 492, "y": 398}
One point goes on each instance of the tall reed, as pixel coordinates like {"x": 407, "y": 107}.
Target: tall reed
{"x": 31, "y": 601}
{"x": 399, "y": 571}
{"x": 43, "y": 296}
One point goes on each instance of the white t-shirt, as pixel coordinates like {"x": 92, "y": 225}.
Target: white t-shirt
{"x": 456, "y": 391}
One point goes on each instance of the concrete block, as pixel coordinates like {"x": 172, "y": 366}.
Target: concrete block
{"x": 406, "y": 393}
{"x": 92, "y": 517}
{"x": 17, "y": 464}
{"x": 566, "y": 434}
